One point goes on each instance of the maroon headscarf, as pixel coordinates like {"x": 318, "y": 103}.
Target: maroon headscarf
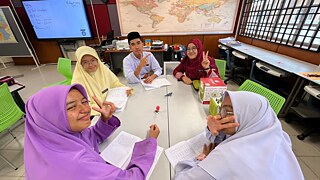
{"x": 192, "y": 67}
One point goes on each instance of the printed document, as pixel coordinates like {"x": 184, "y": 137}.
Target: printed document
{"x": 118, "y": 96}
{"x": 120, "y": 149}
{"x": 156, "y": 83}
{"x": 186, "y": 150}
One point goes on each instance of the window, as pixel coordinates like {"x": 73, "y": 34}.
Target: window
{"x": 289, "y": 22}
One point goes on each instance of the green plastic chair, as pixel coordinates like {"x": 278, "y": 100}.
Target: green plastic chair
{"x": 221, "y": 65}
{"x": 65, "y": 69}
{"x": 276, "y": 101}
{"x": 10, "y": 113}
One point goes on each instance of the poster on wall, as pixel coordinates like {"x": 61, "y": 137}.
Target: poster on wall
{"x": 6, "y": 34}
{"x": 170, "y": 17}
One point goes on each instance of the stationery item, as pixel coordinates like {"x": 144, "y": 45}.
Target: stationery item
{"x": 311, "y": 75}
{"x": 104, "y": 91}
{"x": 157, "y": 109}
{"x": 186, "y": 150}
{"x": 169, "y": 94}
{"x": 156, "y": 83}
{"x": 118, "y": 96}
{"x": 118, "y": 152}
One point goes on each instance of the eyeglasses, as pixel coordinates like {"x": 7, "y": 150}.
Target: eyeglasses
{"x": 86, "y": 63}
{"x": 194, "y": 48}
{"x": 224, "y": 113}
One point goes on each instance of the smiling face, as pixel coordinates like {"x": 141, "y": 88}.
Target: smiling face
{"x": 136, "y": 46}
{"x": 89, "y": 63}
{"x": 78, "y": 111}
{"x": 192, "y": 51}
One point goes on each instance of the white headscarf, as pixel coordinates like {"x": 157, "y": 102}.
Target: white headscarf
{"x": 258, "y": 150}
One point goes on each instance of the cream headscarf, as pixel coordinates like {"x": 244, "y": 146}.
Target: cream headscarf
{"x": 96, "y": 82}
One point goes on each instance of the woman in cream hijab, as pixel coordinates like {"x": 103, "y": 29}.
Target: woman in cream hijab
{"x": 93, "y": 75}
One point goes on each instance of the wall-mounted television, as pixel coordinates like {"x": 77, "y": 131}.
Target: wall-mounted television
{"x": 58, "y": 19}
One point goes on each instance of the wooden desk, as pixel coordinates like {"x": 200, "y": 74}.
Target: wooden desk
{"x": 117, "y": 56}
{"x": 179, "y": 118}
{"x": 16, "y": 96}
{"x": 286, "y": 63}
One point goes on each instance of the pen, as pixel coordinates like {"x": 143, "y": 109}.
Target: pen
{"x": 169, "y": 94}
{"x": 104, "y": 91}
{"x": 313, "y": 75}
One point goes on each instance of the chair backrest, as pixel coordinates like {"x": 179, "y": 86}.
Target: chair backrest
{"x": 276, "y": 101}
{"x": 221, "y": 65}
{"x": 9, "y": 110}
{"x": 64, "y": 68}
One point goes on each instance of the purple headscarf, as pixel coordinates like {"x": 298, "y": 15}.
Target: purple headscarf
{"x": 52, "y": 151}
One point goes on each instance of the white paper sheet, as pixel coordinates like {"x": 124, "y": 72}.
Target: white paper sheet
{"x": 156, "y": 83}
{"x": 119, "y": 151}
{"x": 186, "y": 150}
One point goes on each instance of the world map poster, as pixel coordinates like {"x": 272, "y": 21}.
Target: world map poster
{"x": 6, "y": 35}
{"x": 161, "y": 17}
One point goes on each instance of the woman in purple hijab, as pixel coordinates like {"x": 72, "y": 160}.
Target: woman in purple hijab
{"x": 59, "y": 145}
{"x": 197, "y": 64}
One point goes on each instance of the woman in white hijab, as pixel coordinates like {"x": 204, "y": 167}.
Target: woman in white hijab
{"x": 91, "y": 73}
{"x": 256, "y": 147}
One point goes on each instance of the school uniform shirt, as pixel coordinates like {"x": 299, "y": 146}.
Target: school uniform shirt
{"x": 131, "y": 62}
{"x": 259, "y": 149}
{"x": 52, "y": 151}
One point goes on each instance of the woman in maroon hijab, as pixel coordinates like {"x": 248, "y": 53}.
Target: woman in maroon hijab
{"x": 197, "y": 64}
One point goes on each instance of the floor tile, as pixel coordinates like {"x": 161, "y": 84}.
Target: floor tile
{"x": 303, "y": 148}
{"x": 16, "y": 157}
{"x": 16, "y": 144}
{"x": 291, "y": 129}
{"x": 307, "y": 172}
{"x": 313, "y": 163}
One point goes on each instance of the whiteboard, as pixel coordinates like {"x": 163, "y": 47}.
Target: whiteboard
{"x": 18, "y": 48}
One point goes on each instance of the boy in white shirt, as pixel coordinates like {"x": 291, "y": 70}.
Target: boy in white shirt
{"x": 139, "y": 64}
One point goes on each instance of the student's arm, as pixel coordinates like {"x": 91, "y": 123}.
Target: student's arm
{"x": 113, "y": 78}
{"x": 128, "y": 70}
{"x": 178, "y": 72}
{"x": 155, "y": 65}
{"x": 101, "y": 130}
{"x": 190, "y": 170}
{"x": 209, "y": 135}
{"x": 141, "y": 160}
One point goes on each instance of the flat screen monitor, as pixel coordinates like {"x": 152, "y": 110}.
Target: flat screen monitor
{"x": 58, "y": 19}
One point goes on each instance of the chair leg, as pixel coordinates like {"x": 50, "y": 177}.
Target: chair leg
{"x": 7, "y": 161}
{"x": 14, "y": 137}
{"x": 306, "y": 133}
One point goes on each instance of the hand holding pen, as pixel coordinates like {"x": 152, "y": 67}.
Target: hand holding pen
{"x": 154, "y": 131}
